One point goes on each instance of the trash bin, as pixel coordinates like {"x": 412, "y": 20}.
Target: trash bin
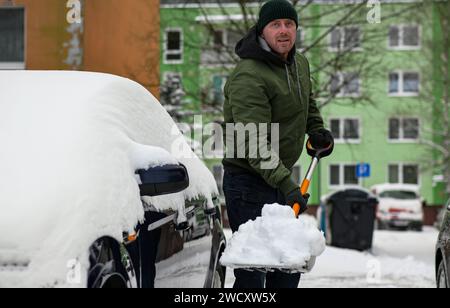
{"x": 350, "y": 219}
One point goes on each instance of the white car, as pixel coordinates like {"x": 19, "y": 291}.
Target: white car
{"x": 400, "y": 206}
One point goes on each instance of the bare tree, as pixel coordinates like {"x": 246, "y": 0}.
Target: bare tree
{"x": 434, "y": 94}
{"x": 144, "y": 72}
{"x": 351, "y": 33}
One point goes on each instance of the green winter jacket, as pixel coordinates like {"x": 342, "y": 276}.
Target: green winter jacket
{"x": 264, "y": 88}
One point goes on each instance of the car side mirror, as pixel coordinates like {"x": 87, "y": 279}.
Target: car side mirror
{"x": 163, "y": 180}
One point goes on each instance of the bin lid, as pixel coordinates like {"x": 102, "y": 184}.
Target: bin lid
{"x": 356, "y": 194}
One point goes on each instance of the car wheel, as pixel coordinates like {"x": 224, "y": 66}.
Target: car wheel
{"x": 380, "y": 225}
{"x": 418, "y": 228}
{"x": 219, "y": 278}
{"x": 106, "y": 269}
{"x": 442, "y": 277}
{"x": 187, "y": 235}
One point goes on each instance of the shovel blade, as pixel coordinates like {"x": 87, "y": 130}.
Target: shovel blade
{"x": 291, "y": 269}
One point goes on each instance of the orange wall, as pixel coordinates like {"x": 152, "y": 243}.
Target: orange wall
{"x": 45, "y": 34}
{"x": 122, "y": 37}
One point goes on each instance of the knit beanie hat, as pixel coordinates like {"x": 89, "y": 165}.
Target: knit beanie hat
{"x": 273, "y": 10}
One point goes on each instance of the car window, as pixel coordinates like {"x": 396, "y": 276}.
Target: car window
{"x": 399, "y": 194}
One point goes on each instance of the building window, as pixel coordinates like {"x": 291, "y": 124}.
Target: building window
{"x": 404, "y": 37}
{"x": 218, "y": 176}
{"x": 343, "y": 175}
{"x": 12, "y": 38}
{"x": 350, "y": 175}
{"x": 404, "y": 84}
{"x": 346, "y": 130}
{"x": 173, "y": 46}
{"x": 394, "y": 174}
{"x": 345, "y": 84}
{"x": 411, "y": 174}
{"x": 345, "y": 38}
{"x": 411, "y": 83}
{"x": 335, "y": 177}
{"x": 403, "y": 174}
{"x": 219, "y": 39}
{"x": 404, "y": 129}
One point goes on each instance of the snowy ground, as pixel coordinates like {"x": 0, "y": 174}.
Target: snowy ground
{"x": 268, "y": 240}
{"x": 397, "y": 260}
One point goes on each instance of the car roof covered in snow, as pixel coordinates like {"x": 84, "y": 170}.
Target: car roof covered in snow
{"x": 390, "y": 187}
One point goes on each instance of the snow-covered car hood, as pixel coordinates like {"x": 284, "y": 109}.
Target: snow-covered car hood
{"x": 71, "y": 142}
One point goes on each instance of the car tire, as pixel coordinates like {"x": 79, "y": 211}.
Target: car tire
{"x": 380, "y": 225}
{"x": 441, "y": 278}
{"x": 419, "y": 228}
{"x": 187, "y": 235}
{"x": 106, "y": 269}
{"x": 219, "y": 278}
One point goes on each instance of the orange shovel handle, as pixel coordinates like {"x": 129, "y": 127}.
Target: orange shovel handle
{"x": 316, "y": 154}
{"x": 304, "y": 189}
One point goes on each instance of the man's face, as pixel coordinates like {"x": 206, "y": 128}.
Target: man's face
{"x": 281, "y": 34}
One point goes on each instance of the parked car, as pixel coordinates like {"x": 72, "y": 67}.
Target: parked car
{"x": 443, "y": 252}
{"x": 97, "y": 184}
{"x": 400, "y": 207}
{"x": 133, "y": 263}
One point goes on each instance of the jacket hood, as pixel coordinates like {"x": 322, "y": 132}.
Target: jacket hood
{"x": 250, "y": 48}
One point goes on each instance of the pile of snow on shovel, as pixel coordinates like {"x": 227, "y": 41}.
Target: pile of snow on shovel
{"x": 277, "y": 239}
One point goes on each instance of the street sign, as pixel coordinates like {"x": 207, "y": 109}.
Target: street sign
{"x": 363, "y": 171}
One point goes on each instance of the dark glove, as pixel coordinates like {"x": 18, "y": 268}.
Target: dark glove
{"x": 322, "y": 139}
{"x": 294, "y": 197}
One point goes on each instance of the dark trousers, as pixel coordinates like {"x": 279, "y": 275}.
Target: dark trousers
{"x": 245, "y": 195}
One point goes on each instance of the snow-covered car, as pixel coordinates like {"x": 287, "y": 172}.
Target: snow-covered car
{"x": 400, "y": 207}
{"x": 96, "y": 184}
{"x": 443, "y": 252}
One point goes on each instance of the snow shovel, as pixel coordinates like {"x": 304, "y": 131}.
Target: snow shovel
{"x": 316, "y": 155}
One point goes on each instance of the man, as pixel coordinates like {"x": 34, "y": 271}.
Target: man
{"x": 271, "y": 84}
